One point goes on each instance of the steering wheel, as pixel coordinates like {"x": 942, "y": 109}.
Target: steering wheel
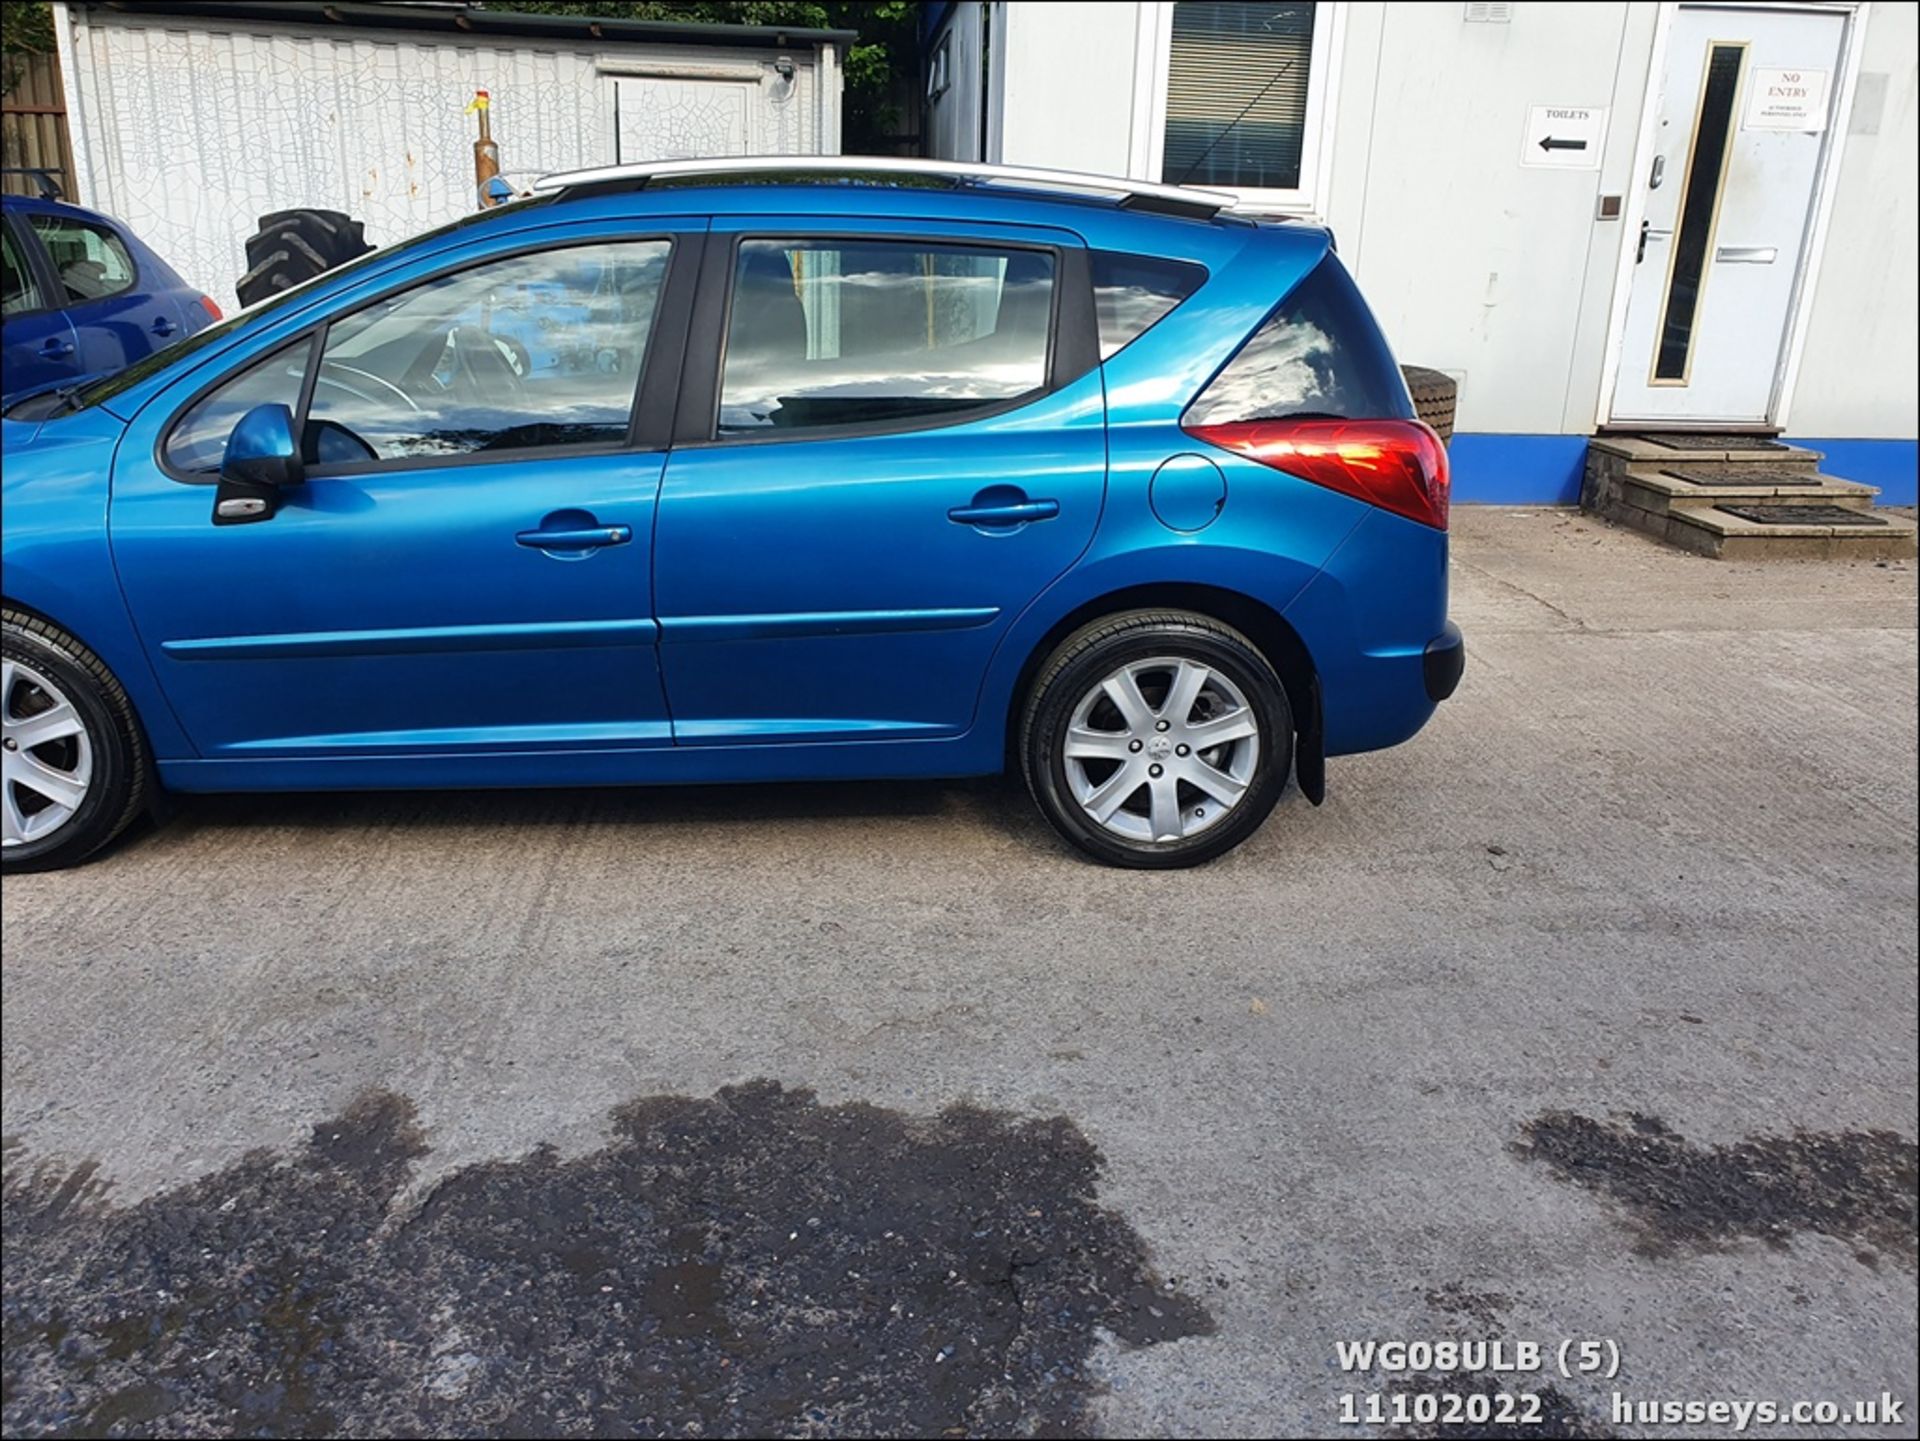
{"x": 363, "y": 375}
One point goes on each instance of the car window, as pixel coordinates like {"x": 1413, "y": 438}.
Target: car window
{"x": 533, "y": 350}
{"x": 1132, "y": 293}
{"x": 1319, "y": 356}
{"x": 91, "y": 262}
{"x": 198, "y": 439}
{"x": 856, "y": 332}
{"x": 18, "y": 293}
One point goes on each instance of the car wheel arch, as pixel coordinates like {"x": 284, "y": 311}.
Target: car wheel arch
{"x": 1269, "y": 631}
{"x": 139, "y": 699}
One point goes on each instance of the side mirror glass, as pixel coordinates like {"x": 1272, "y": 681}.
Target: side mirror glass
{"x": 261, "y": 462}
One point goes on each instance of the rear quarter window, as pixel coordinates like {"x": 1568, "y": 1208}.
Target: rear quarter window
{"x": 1133, "y": 293}
{"x": 1319, "y": 356}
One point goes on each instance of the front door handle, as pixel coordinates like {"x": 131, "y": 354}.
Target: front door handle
{"x": 1010, "y": 512}
{"x": 581, "y": 538}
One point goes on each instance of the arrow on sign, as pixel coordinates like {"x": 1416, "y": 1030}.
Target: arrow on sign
{"x": 1551, "y": 144}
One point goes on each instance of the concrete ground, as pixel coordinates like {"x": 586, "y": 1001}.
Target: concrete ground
{"x": 1588, "y": 1014}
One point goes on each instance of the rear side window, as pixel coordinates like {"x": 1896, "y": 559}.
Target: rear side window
{"x": 858, "y": 332}
{"x": 1133, "y": 293}
{"x": 1320, "y": 356}
{"x": 91, "y": 261}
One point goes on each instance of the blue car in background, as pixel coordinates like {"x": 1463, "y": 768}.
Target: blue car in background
{"x": 80, "y": 297}
{"x": 823, "y": 469}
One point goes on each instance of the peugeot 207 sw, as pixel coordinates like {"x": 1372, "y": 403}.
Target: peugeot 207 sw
{"x": 748, "y": 471}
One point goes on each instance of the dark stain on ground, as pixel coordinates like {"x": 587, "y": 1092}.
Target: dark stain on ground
{"x": 1483, "y": 1308}
{"x": 1857, "y": 1187}
{"x": 1557, "y": 1418}
{"x": 754, "y": 1264}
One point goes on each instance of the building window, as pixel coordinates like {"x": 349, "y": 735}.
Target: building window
{"x": 1234, "y": 96}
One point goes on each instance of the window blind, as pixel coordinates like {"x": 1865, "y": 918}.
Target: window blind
{"x": 1237, "y": 94}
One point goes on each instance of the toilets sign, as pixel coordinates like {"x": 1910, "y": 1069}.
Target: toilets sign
{"x": 1564, "y": 137}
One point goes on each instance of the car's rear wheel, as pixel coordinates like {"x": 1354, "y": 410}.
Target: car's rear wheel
{"x": 73, "y": 771}
{"x": 1156, "y": 739}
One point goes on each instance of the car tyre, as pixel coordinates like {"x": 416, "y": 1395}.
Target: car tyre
{"x": 1435, "y": 394}
{"x": 292, "y": 246}
{"x": 94, "y": 747}
{"x": 1107, "y": 708}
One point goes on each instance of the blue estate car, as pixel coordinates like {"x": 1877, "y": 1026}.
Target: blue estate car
{"x": 80, "y": 296}
{"x": 862, "y": 469}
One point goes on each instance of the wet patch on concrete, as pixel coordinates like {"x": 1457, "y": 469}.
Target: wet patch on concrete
{"x": 753, "y": 1264}
{"x": 1857, "y": 1187}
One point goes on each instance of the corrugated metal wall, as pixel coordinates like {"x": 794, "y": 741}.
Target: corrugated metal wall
{"x": 190, "y": 135}
{"x": 33, "y": 125}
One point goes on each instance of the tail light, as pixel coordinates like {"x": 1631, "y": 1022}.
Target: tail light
{"x": 206, "y": 304}
{"x": 1398, "y": 465}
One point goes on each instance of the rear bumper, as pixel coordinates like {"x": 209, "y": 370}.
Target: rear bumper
{"x": 1444, "y": 662}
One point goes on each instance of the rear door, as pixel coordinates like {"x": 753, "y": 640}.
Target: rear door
{"x": 40, "y": 349}
{"x": 115, "y": 317}
{"x": 890, "y": 439}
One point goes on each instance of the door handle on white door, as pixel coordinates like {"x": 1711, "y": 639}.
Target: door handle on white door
{"x": 1746, "y": 254}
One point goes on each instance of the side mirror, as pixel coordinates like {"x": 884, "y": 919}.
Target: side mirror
{"x": 262, "y": 461}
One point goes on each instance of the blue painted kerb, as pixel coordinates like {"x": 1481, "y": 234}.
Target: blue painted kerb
{"x": 1491, "y": 469}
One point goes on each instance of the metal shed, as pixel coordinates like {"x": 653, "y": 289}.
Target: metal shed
{"x": 189, "y": 121}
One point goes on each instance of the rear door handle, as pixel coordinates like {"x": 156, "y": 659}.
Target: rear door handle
{"x": 1013, "y": 512}
{"x": 163, "y": 327}
{"x": 53, "y": 347}
{"x": 585, "y": 538}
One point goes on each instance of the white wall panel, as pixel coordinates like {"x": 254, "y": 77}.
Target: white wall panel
{"x": 190, "y": 135}
{"x": 1860, "y": 372}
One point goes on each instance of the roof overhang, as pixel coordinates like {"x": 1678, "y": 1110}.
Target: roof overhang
{"x": 473, "y": 22}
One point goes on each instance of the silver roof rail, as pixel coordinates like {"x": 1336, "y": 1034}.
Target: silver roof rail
{"x": 1181, "y": 197}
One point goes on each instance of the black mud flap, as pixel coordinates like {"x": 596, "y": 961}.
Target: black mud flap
{"x": 1310, "y": 747}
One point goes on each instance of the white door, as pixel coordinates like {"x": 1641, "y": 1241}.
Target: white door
{"x": 1742, "y": 120}
{"x": 675, "y": 118}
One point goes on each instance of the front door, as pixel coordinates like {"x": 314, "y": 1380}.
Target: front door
{"x": 465, "y": 568}
{"x": 904, "y": 450}
{"x": 1742, "y": 124}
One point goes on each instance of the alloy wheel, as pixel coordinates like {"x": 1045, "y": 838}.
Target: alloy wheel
{"x": 46, "y": 764}
{"x": 1161, "y": 749}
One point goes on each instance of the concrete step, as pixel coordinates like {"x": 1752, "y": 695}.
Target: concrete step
{"x": 1720, "y": 533}
{"x": 1679, "y": 488}
{"x": 1665, "y": 488}
{"x": 1737, "y": 449}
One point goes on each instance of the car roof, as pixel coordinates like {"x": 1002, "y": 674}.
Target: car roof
{"x": 47, "y": 206}
{"x": 851, "y": 190}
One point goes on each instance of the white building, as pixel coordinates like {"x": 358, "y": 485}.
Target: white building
{"x": 1592, "y": 214}
{"x": 190, "y": 121}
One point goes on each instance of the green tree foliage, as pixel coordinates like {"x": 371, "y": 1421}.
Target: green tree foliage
{"x": 26, "y": 29}
{"x": 884, "y": 52}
